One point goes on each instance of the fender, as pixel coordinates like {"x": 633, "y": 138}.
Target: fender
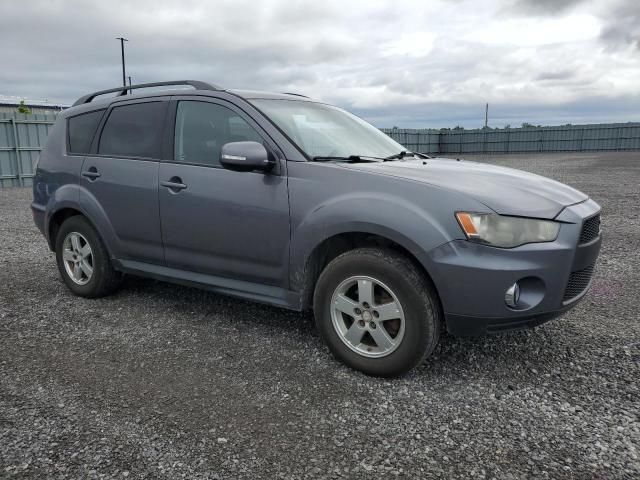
{"x": 364, "y": 212}
{"x": 98, "y": 217}
{"x": 327, "y": 199}
{"x": 65, "y": 196}
{"x": 79, "y": 198}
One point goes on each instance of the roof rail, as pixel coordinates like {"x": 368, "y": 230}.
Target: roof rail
{"x": 296, "y": 94}
{"x": 198, "y": 85}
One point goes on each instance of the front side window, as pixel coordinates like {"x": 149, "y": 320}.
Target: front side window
{"x": 81, "y": 130}
{"x": 133, "y": 131}
{"x": 203, "y": 128}
{"x": 322, "y": 130}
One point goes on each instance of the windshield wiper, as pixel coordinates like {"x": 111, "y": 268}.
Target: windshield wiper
{"x": 364, "y": 158}
{"x": 401, "y": 155}
{"x": 404, "y": 153}
{"x": 350, "y": 158}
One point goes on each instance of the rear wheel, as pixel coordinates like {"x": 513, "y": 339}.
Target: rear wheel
{"x": 83, "y": 261}
{"x": 377, "y": 312}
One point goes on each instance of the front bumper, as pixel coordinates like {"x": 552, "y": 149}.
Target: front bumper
{"x": 472, "y": 279}
{"x": 466, "y": 326}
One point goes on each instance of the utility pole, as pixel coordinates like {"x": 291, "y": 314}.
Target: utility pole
{"x": 122, "y": 40}
{"x": 486, "y": 115}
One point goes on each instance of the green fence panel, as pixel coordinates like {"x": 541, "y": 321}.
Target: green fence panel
{"x": 565, "y": 138}
{"x": 22, "y": 136}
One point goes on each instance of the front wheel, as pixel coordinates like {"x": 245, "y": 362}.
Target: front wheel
{"x": 377, "y": 312}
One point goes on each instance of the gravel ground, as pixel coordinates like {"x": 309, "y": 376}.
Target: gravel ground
{"x": 160, "y": 381}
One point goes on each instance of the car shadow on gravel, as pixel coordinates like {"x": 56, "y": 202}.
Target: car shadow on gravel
{"x": 185, "y": 301}
{"x": 521, "y": 348}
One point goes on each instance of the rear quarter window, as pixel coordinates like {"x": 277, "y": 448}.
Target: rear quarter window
{"x": 133, "y": 130}
{"x": 81, "y": 130}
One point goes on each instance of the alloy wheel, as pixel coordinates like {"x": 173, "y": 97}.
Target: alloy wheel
{"x": 77, "y": 257}
{"x": 367, "y": 316}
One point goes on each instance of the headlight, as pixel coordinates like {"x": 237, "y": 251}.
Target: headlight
{"x": 506, "y": 232}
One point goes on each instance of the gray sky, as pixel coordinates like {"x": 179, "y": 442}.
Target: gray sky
{"x": 415, "y": 63}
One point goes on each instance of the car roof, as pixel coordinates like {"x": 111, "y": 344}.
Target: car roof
{"x": 256, "y": 94}
{"x": 96, "y": 103}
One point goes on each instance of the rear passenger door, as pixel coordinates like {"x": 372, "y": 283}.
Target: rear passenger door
{"x": 120, "y": 177}
{"x": 217, "y": 221}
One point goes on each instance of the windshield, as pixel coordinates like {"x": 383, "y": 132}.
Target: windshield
{"x": 325, "y": 131}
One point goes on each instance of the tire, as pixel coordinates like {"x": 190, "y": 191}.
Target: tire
{"x": 410, "y": 337}
{"x": 87, "y": 273}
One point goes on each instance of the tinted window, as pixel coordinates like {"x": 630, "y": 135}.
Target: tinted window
{"x": 81, "y": 129}
{"x": 202, "y": 128}
{"x": 133, "y": 131}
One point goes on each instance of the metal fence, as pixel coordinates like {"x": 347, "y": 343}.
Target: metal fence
{"x": 23, "y": 136}
{"x": 21, "y": 139}
{"x": 567, "y": 138}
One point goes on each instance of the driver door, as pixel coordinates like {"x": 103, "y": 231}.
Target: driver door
{"x": 217, "y": 221}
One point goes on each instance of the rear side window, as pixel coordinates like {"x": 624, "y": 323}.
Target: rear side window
{"x": 81, "y": 129}
{"x": 133, "y": 131}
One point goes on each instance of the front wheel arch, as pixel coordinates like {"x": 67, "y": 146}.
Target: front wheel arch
{"x": 338, "y": 244}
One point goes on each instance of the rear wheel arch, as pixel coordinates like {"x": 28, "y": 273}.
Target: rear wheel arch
{"x": 83, "y": 260}
{"x": 56, "y": 221}
{"x": 61, "y": 215}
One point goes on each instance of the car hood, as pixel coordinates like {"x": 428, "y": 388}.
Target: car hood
{"x": 505, "y": 190}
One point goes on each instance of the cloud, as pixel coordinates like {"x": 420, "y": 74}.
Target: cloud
{"x": 412, "y": 44}
{"x": 436, "y": 61}
{"x": 622, "y": 26}
{"x": 541, "y": 7}
{"x": 557, "y": 75}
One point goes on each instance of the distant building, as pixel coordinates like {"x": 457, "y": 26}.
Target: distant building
{"x": 11, "y": 104}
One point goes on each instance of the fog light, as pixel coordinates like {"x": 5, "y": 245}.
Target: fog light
{"x": 512, "y": 295}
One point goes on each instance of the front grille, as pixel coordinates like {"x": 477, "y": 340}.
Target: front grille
{"x": 590, "y": 229}
{"x": 578, "y": 282}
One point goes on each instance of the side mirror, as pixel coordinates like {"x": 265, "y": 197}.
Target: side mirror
{"x": 245, "y": 157}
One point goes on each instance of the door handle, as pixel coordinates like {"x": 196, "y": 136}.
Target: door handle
{"x": 174, "y": 184}
{"x": 92, "y": 174}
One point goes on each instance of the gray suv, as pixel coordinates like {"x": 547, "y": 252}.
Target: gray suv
{"x": 293, "y": 202}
